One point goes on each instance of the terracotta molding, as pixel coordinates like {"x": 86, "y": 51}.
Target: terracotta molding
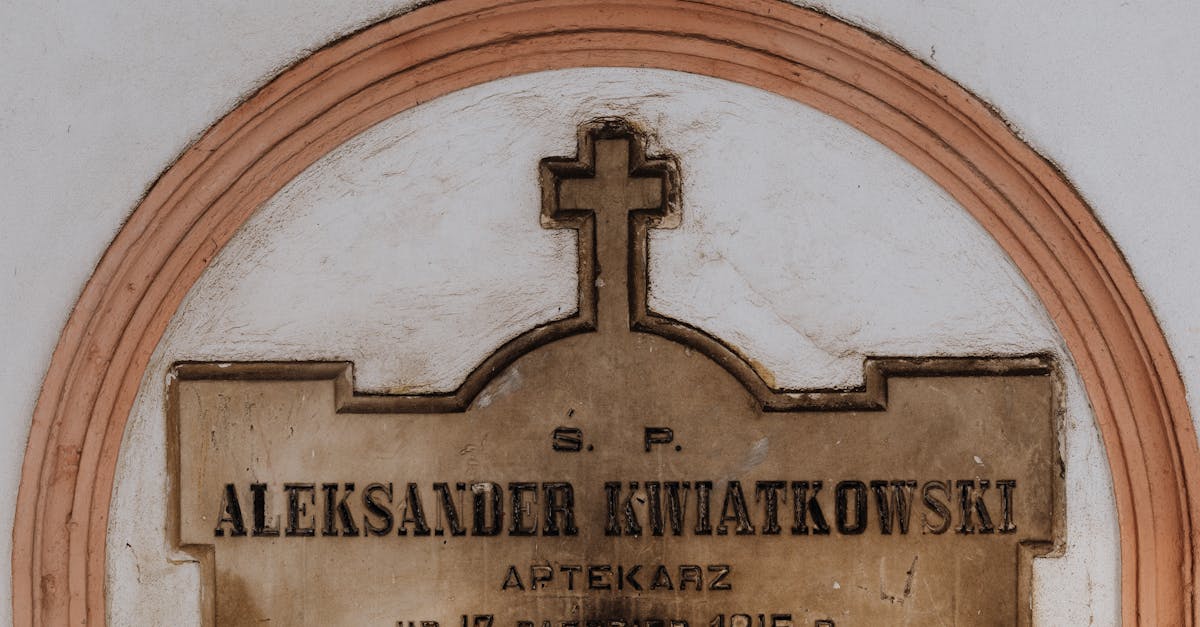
{"x": 196, "y": 206}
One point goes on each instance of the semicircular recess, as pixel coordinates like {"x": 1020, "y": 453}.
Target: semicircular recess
{"x": 414, "y": 250}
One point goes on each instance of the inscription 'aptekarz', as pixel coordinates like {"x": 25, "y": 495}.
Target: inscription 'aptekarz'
{"x": 617, "y": 467}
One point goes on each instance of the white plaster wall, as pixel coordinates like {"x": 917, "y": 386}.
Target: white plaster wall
{"x": 96, "y": 98}
{"x": 414, "y": 250}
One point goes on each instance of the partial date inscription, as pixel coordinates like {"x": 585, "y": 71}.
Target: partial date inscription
{"x": 617, "y": 468}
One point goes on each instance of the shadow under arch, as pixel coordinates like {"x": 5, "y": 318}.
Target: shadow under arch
{"x": 196, "y": 206}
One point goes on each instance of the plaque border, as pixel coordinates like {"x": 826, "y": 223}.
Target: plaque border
{"x": 871, "y": 396}
{"x": 1019, "y": 197}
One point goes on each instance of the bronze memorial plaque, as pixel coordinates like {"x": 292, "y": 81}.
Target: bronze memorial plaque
{"x": 618, "y": 468}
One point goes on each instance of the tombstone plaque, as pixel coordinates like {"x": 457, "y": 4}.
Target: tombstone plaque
{"x": 617, "y": 468}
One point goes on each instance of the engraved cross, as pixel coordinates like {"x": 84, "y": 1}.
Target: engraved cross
{"x": 610, "y": 185}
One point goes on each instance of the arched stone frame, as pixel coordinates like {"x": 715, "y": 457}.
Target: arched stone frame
{"x": 1131, "y": 379}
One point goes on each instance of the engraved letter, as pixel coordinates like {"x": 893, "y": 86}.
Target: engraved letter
{"x": 658, "y": 435}
{"x": 703, "y": 499}
{"x": 231, "y": 512}
{"x": 560, "y": 504}
{"x": 520, "y": 508}
{"x": 449, "y": 512}
{"x": 483, "y": 494}
{"x": 935, "y": 505}
{"x": 968, "y": 497}
{"x": 804, "y": 505}
{"x": 735, "y": 499}
{"x": 412, "y": 511}
{"x": 900, "y": 505}
{"x": 768, "y": 491}
{"x": 718, "y": 582}
{"x": 512, "y": 580}
{"x": 654, "y": 512}
{"x": 539, "y": 576}
{"x": 261, "y": 528}
{"x": 842, "y": 505}
{"x": 296, "y": 509}
{"x": 612, "y": 492}
{"x": 567, "y": 439}
{"x": 340, "y": 508}
{"x": 373, "y": 506}
{"x": 1006, "y": 505}
{"x": 691, "y": 573}
{"x": 676, "y": 504}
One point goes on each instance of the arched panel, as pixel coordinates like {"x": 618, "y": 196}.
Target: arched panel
{"x": 197, "y": 205}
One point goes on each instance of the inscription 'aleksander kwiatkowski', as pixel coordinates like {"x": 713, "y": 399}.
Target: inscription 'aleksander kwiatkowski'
{"x": 631, "y": 470}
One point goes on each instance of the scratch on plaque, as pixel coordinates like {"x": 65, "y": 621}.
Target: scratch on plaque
{"x": 755, "y": 456}
{"x": 909, "y": 581}
{"x": 508, "y": 383}
{"x": 883, "y": 595}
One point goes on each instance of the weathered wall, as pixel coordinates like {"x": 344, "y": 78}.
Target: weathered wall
{"x": 97, "y": 99}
